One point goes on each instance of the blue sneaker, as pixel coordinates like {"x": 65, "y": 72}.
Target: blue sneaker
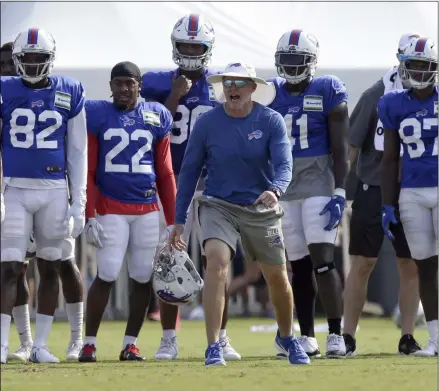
{"x": 290, "y": 346}
{"x": 214, "y": 355}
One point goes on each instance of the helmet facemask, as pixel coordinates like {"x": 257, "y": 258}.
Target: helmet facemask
{"x": 418, "y": 73}
{"x": 33, "y": 66}
{"x": 295, "y": 66}
{"x": 191, "y": 62}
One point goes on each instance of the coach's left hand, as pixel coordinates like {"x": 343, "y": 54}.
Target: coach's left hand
{"x": 335, "y": 207}
{"x": 77, "y": 212}
{"x": 267, "y": 198}
{"x": 176, "y": 239}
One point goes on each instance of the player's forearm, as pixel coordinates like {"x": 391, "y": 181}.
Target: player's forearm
{"x": 166, "y": 185}
{"x": 389, "y": 179}
{"x": 340, "y": 166}
{"x": 77, "y": 157}
{"x": 352, "y": 156}
{"x": 172, "y": 103}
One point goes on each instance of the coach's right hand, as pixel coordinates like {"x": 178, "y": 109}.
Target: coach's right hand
{"x": 2, "y": 202}
{"x": 94, "y": 233}
{"x": 176, "y": 239}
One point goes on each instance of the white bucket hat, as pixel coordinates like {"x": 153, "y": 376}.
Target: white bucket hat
{"x": 265, "y": 91}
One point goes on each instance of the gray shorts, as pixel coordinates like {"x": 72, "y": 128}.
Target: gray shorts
{"x": 259, "y": 228}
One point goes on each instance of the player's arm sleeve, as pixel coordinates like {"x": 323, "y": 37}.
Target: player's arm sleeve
{"x": 190, "y": 171}
{"x": 280, "y": 153}
{"x": 166, "y": 186}
{"x": 389, "y": 122}
{"x": 337, "y": 93}
{"x": 93, "y": 148}
{"x": 359, "y": 121}
{"x": 149, "y": 91}
{"x": 77, "y": 156}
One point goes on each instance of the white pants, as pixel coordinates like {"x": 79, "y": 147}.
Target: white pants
{"x": 40, "y": 211}
{"x": 302, "y": 225}
{"x": 135, "y": 235}
{"x": 418, "y": 211}
{"x": 68, "y": 249}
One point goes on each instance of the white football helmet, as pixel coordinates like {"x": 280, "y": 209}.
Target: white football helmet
{"x": 175, "y": 279}
{"x": 418, "y": 63}
{"x": 296, "y": 56}
{"x": 192, "y": 29}
{"x": 38, "y": 42}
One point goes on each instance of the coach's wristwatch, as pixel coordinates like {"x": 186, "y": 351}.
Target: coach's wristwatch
{"x": 276, "y": 192}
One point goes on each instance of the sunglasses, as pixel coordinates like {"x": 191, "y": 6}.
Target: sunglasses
{"x": 236, "y": 83}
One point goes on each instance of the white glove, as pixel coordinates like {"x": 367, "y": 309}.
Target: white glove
{"x": 77, "y": 212}
{"x": 3, "y": 211}
{"x": 94, "y": 233}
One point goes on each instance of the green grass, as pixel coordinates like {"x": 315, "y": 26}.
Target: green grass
{"x": 376, "y": 368}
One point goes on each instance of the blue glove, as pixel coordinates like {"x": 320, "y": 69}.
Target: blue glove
{"x": 387, "y": 217}
{"x": 335, "y": 207}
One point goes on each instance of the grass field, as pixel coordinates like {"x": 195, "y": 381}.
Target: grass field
{"x": 376, "y": 368}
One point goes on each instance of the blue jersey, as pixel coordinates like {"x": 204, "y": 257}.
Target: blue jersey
{"x": 306, "y": 115}
{"x": 416, "y": 123}
{"x": 243, "y": 157}
{"x": 125, "y": 170}
{"x": 35, "y": 124}
{"x": 157, "y": 86}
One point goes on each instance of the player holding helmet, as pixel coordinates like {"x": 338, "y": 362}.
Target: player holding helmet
{"x": 409, "y": 118}
{"x": 44, "y": 129}
{"x": 129, "y": 161}
{"x": 186, "y": 94}
{"x": 316, "y": 114}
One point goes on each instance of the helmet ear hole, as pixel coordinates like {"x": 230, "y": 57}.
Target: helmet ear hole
{"x": 180, "y": 280}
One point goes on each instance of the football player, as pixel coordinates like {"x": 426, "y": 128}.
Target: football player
{"x": 409, "y": 117}
{"x": 185, "y": 92}
{"x": 129, "y": 161}
{"x": 366, "y": 234}
{"x": 44, "y": 130}
{"x": 315, "y": 111}
{"x": 69, "y": 274}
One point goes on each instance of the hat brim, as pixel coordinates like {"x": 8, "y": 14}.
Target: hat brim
{"x": 264, "y": 94}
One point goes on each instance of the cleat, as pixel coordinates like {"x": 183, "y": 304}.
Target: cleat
{"x": 168, "y": 349}
{"x": 335, "y": 346}
{"x": 131, "y": 353}
{"x": 408, "y": 345}
{"x": 42, "y": 356}
{"x": 21, "y": 354}
{"x": 290, "y": 348}
{"x": 73, "y": 351}
{"x": 429, "y": 351}
{"x": 310, "y": 346}
{"x": 87, "y": 353}
{"x": 229, "y": 353}
{"x": 351, "y": 345}
{"x": 214, "y": 355}
{"x": 4, "y": 354}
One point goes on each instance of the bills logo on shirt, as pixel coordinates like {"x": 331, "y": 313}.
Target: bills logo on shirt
{"x": 211, "y": 94}
{"x": 435, "y": 108}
